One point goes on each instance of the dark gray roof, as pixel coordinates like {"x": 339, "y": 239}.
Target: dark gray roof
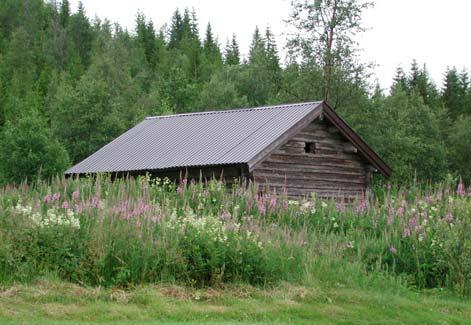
{"x": 196, "y": 139}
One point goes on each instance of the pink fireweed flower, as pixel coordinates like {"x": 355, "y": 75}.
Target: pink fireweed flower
{"x": 414, "y": 224}
{"x": 393, "y": 250}
{"x": 65, "y": 205}
{"x": 340, "y": 207}
{"x": 272, "y": 204}
{"x": 122, "y": 207}
{"x": 47, "y": 199}
{"x": 400, "y": 211}
{"x": 139, "y": 210}
{"x": 361, "y": 208}
{"x": 460, "y": 189}
{"x": 285, "y": 204}
{"x": 95, "y": 203}
{"x": 261, "y": 208}
{"x": 56, "y": 197}
{"x": 75, "y": 195}
{"x": 406, "y": 233}
{"x": 449, "y": 217}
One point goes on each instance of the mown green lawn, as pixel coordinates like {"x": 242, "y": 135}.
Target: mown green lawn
{"x": 59, "y": 303}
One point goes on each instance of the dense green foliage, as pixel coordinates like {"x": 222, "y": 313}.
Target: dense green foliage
{"x": 88, "y": 81}
{"x": 128, "y": 232}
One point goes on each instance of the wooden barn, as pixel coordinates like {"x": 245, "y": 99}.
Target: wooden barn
{"x": 301, "y": 148}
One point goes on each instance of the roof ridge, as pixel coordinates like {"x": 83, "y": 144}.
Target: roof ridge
{"x": 232, "y": 110}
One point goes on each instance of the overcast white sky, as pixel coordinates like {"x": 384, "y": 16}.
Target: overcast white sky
{"x": 434, "y": 32}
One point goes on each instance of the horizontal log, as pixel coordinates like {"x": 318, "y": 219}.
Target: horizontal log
{"x": 316, "y": 137}
{"x": 332, "y": 130}
{"x": 319, "y": 192}
{"x": 293, "y": 189}
{"x": 314, "y": 127}
{"x": 315, "y": 168}
{"x": 317, "y": 159}
{"x": 295, "y": 144}
{"x": 311, "y": 175}
{"x": 335, "y": 147}
{"x": 309, "y": 184}
{"x": 291, "y": 150}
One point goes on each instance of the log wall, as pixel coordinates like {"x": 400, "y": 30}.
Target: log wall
{"x": 335, "y": 169}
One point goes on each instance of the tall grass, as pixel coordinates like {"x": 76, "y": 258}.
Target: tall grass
{"x": 95, "y": 231}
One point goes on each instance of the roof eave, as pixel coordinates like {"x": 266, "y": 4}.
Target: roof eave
{"x": 142, "y": 170}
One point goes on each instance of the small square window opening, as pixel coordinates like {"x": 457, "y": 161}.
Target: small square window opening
{"x": 310, "y": 147}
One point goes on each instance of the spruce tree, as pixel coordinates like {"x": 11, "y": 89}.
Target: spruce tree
{"x": 257, "y": 53}
{"x": 454, "y": 92}
{"x": 81, "y": 34}
{"x": 273, "y": 61}
{"x": 189, "y": 29}
{"x": 400, "y": 80}
{"x": 232, "y": 53}
{"x": 414, "y": 75}
{"x": 211, "y": 49}
{"x": 176, "y": 30}
{"x": 420, "y": 83}
{"x": 64, "y": 12}
{"x": 145, "y": 36}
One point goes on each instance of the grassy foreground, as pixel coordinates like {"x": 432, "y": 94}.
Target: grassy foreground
{"x": 50, "y": 302}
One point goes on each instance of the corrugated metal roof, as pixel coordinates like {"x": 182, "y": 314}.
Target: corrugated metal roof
{"x": 196, "y": 139}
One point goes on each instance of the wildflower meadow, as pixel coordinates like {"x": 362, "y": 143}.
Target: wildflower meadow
{"x": 99, "y": 232}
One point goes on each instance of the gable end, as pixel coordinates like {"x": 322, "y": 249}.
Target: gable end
{"x": 324, "y": 111}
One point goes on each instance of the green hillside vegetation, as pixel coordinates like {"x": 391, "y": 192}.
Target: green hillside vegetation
{"x": 69, "y": 85}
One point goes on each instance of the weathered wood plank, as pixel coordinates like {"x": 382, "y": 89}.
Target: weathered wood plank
{"x": 316, "y": 159}
{"x": 283, "y": 168}
{"x": 313, "y": 186}
{"x": 312, "y": 177}
{"x": 291, "y": 192}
